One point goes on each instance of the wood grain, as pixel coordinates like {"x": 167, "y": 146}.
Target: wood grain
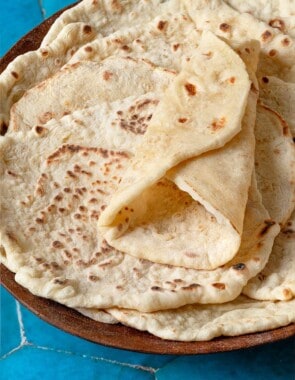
{"x": 118, "y": 336}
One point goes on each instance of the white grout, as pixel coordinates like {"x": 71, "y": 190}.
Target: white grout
{"x": 23, "y": 338}
{"x": 135, "y": 366}
{"x": 11, "y": 352}
{"x": 40, "y": 3}
{"x": 24, "y": 342}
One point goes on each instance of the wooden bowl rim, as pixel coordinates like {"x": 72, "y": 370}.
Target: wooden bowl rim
{"x": 116, "y": 336}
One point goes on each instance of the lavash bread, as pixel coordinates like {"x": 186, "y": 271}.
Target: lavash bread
{"x": 277, "y": 49}
{"x": 158, "y": 221}
{"x": 46, "y": 241}
{"x": 279, "y": 14}
{"x": 26, "y": 160}
{"x": 205, "y": 322}
{"x": 275, "y": 164}
{"x": 55, "y": 98}
{"x": 280, "y": 97}
{"x": 77, "y": 26}
{"x": 276, "y": 281}
{"x": 42, "y": 63}
{"x": 106, "y": 17}
{"x": 177, "y": 131}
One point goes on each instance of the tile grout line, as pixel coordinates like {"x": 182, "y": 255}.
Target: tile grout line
{"x": 12, "y": 351}
{"x": 42, "y": 10}
{"x": 135, "y": 366}
{"x": 23, "y": 341}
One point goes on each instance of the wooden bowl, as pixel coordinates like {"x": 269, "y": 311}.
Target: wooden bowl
{"x": 118, "y": 336}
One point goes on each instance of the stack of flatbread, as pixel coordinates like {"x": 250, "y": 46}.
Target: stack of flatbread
{"x": 148, "y": 165}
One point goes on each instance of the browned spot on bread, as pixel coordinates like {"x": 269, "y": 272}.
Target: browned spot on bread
{"x": 39, "y": 220}
{"x": 77, "y": 168}
{"x": 58, "y": 197}
{"x": 67, "y": 190}
{"x": 285, "y": 128}
{"x": 40, "y": 191}
{"x": 45, "y": 117}
{"x": 265, "y": 79}
{"x": 59, "y": 282}
{"x": 12, "y": 174}
{"x": 178, "y": 280}
{"x": 288, "y": 231}
{"x": 191, "y": 254}
{"x": 93, "y": 200}
{"x": 219, "y": 285}
{"x": 15, "y": 74}
{"x": 68, "y": 254}
{"x": 11, "y": 236}
{"x": 77, "y": 216}
{"x": 191, "y": 89}
{"x": 57, "y": 244}
{"x": 287, "y": 293}
{"x": 71, "y": 174}
{"x": 232, "y": 80}
{"x": 267, "y": 226}
{"x": 87, "y": 29}
{"x": 266, "y": 36}
{"x": 162, "y": 25}
{"x": 261, "y": 277}
{"x": 51, "y": 208}
{"x": 218, "y": 124}
{"x": 224, "y": 27}
{"x": 3, "y": 128}
{"x": 93, "y": 278}
{"x": 239, "y": 266}
{"x": 191, "y": 287}
{"x": 44, "y": 53}
{"x": 278, "y": 24}
{"x": 126, "y": 48}
{"x": 119, "y": 287}
{"x": 89, "y": 174}
{"x": 272, "y": 52}
{"x": 285, "y": 42}
{"x": 182, "y": 120}
{"x": 157, "y": 288}
{"x": 117, "y": 6}
{"x": 107, "y": 75}
{"x": 176, "y": 46}
{"x": 82, "y": 208}
{"x": 106, "y": 264}
{"x": 256, "y": 259}
{"x": 88, "y": 49}
{"x": 208, "y": 55}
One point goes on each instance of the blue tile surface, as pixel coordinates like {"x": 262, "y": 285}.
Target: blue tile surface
{"x": 51, "y": 6}
{"x": 272, "y": 361}
{"x": 34, "y": 363}
{"x": 32, "y": 349}
{"x": 17, "y": 18}
{"x": 10, "y": 332}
